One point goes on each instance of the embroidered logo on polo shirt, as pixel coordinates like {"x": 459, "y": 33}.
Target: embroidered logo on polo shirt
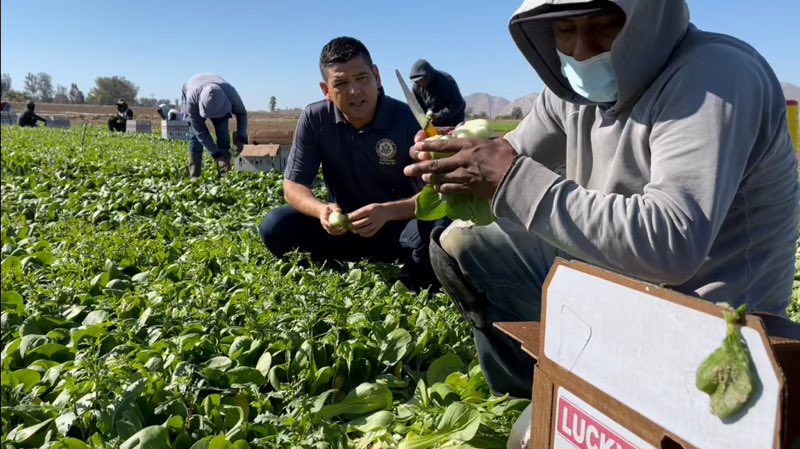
{"x": 386, "y": 150}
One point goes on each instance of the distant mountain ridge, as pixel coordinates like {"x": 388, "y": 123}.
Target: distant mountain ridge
{"x": 493, "y": 106}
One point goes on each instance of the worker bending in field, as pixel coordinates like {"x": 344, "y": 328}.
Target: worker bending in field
{"x": 437, "y": 92}
{"x": 118, "y": 121}
{"x": 656, "y": 150}
{"x": 360, "y": 137}
{"x": 208, "y": 96}
{"x": 29, "y": 117}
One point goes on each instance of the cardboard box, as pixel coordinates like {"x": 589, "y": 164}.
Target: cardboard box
{"x": 57, "y": 121}
{"x": 9, "y": 118}
{"x": 272, "y": 136}
{"x": 138, "y": 126}
{"x": 175, "y": 129}
{"x": 256, "y": 158}
{"x": 617, "y": 360}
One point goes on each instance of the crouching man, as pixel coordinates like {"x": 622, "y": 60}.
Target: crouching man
{"x": 208, "y": 96}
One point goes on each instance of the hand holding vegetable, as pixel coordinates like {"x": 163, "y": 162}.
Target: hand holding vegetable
{"x": 333, "y": 220}
{"x": 463, "y": 171}
{"x": 476, "y": 165}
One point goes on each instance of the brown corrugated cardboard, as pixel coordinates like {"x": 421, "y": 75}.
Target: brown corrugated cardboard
{"x": 573, "y": 407}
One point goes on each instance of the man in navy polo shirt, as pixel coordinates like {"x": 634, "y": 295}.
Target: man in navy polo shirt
{"x": 361, "y": 138}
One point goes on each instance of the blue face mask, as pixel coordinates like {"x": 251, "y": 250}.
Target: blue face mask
{"x": 593, "y": 79}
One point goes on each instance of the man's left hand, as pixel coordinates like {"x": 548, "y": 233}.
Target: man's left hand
{"x": 476, "y": 166}
{"x": 239, "y": 142}
{"x": 368, "y": 220}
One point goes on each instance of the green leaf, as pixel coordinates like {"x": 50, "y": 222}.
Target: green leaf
{"x": 728, "y": 375}
{"x": 44, "y": 257}
{"x": 96, "y": 317}
{"x": 28, "y": 378}
{"x": 221, "y": 363}
{"x": 12, "y": 301}
{"x": 70, "y": 443}
{"x": 31, "y": 436}
{"x": 10, "y": 355}
{"x": 31, "y": 341}
{"x": 443, "y": 367}
{"x": 213, "y": 442}
{"x": 65, "y": 421}
{"x": 128, "y": 419}
{"x": 468, "y": 207}
{"x": 264, "y": 363}
{"x": 442, "y": 394}
{"x": 11, "y": 264}
{"x": 239, "y": 345}
{"x": 395, "y": 346}
{"x": 174, "y": 423}
{"x": 366, "y": 398}
{"x": 49, "y": 351}
{"x": 459, "y": 423}
{"x": 381, "y": 419}
{"x": 246, "y": 374}
{"x": 98, "y": 282}
{"x": 430, "y": 205}
{"x": 152, "y": 437}
{"x": 79, "y": 333}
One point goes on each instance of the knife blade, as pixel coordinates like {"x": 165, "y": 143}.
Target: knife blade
{"x": 423, "y": 118}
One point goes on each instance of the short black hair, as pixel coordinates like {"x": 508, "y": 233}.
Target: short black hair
{"x": 341, "y": 49}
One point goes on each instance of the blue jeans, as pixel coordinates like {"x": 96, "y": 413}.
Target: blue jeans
{"x": 509, "y": 264}
{"x": 284, "y": 229}
{"x": 223, "y": 133}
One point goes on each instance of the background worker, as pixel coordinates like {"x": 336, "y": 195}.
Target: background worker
{"x": 118, "y": 121}
{"x": 656, "y": 150}
{"x": 360, "y": 137}
{"x": 167, "y": 112}
{"x": 208, "y": 96}
{"x": 29, "y": 117}
{"x": 438, "y": 92}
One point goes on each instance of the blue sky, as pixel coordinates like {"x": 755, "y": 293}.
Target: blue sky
{"x": 267, "y": 48}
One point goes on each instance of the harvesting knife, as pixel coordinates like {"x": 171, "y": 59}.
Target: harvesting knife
{"x": 423, "y": 118}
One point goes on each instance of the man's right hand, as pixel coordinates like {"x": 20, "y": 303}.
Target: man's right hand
{"x": 323, "y": 219}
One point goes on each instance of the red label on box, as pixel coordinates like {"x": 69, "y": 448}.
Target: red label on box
{"x": 586, "y": 432}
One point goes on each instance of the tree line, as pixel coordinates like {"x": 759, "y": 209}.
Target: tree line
{"x": 516, "y": 114}
{"x": 106, "y": 91}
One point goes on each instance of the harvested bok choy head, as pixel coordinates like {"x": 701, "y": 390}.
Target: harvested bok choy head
{"x": 727, "y": 375}
{"x": 432, "y": 205}
{"x": 339, "y": 219}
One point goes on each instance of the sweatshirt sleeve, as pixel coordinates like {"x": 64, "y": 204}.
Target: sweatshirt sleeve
{"x": 198, "y": 124}
{"x": 704, "y": 129}
{"x": 454, "y": 103}
{"x": 238, "y": 109}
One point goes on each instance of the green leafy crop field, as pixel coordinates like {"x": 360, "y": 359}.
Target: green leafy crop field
{"x": 141, "y": 310}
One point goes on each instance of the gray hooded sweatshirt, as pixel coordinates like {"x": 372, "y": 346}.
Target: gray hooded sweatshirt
{"x": 207, "y": 95}
{"x": 688, "y": 180}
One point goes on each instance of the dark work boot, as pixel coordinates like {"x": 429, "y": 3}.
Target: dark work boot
{"x": 470, "y": 302}
{"x": 195, "y": 165}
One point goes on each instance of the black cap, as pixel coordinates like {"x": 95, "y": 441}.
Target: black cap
{"x": 419, "y": 69}
{"x": 121, "y": 102}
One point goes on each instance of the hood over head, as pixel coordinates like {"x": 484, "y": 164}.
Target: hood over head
{"x": 213, "y": 102}
{"x": 421, "y": 69}
{"x": 652, "y": 30}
